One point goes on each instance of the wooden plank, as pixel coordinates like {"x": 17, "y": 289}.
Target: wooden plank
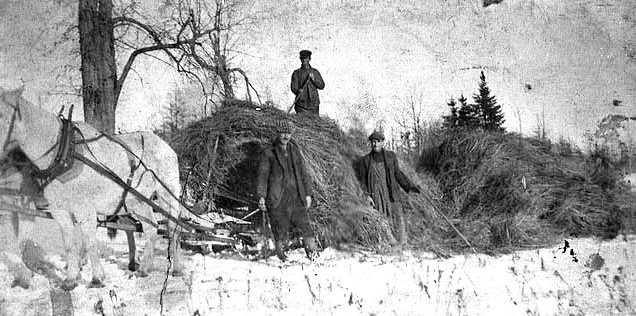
{"x": 192, "y": 237}
{"x": 119, "y": 226}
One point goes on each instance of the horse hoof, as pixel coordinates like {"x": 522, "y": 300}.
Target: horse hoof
{"x": 95, "y": 283}
{"x": 177, "y": 273}
{"x": 133, "y": 266}
{"x": 21, "y": 283}
{"x": 68, "y": 285}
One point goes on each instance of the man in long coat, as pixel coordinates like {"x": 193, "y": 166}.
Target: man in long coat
{"x": 381, "y": 179}
{"x": 305, "y": 83}
{"x": 284, "y": 188}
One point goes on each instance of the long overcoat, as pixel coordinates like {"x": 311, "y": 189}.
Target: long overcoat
{"x": 395, "y": 178}
{"x": 272, "y": 175}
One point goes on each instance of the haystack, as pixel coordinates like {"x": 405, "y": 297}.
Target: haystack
{"x": 509, "y": 191}
{"x": 220, "y": 155}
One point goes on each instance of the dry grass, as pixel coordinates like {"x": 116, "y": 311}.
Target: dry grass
{"x": 227, "y": 172}
{"x": 474, "y": 196}
{"x": 510, "y": 192}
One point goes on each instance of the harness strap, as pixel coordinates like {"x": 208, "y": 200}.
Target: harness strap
{"x": 110, "y": 175}
{"x": 163, "y": 184}
{"x": 63, "y": 160}
{"x": 122, "y": 202}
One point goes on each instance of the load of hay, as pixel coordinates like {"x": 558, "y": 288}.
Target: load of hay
{"x": 505, "y": 191}
{"x": 481, "y": 191}
{"x": 220, "y": 155}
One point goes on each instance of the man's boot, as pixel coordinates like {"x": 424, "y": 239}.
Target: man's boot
{"x": 280, "y": 250}
{"x": 311, "y": 248}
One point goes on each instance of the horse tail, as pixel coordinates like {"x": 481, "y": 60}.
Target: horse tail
{"x": 112, "y": 233}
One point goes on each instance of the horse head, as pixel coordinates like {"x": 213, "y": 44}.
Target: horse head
{"x": 11, "y": 129}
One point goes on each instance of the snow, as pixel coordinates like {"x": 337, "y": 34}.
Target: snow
{"x": 537, "y": 282}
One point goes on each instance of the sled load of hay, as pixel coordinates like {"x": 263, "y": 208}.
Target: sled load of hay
{"x": 220, "y": 154}
{"x": 481, "y": 191}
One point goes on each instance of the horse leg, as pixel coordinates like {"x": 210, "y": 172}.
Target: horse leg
{"x": 81, "y": 246}
{"x": 71, "y": 251}
{"x": 147, "y": 262}
{"x": 90, "y": 231}
{"x": 133, "y": 265}
{"x": 174, "y": 249}
{"x": 10, "y": 255}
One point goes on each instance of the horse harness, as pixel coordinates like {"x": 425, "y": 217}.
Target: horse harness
{"x": 64, "y": 158}
{"x": 64, "y": 161}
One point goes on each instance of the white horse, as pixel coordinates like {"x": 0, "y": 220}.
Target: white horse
{"x": 77, "y": 201}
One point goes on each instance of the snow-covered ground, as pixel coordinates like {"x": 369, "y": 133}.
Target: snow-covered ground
{"x": 601, "y": 281}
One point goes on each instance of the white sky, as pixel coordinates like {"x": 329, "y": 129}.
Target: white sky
{"x": 576, "y": 58}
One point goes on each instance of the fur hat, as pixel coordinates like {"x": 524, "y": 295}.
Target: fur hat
{"x": 376, "y": 135}
{"x": 305, "y": 53}
{"x": 284, "y": 126}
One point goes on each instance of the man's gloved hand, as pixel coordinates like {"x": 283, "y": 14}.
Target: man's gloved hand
{"x": 311, "y": 75}
{"x": 261, "y": 204}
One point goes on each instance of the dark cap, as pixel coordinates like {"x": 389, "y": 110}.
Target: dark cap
{"x": 305, "y": 53}
{"x": 376, "y": 135}
{"x": 284, "y": 126}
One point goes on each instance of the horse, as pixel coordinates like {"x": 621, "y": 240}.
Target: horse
{"x": 148, "y": 163}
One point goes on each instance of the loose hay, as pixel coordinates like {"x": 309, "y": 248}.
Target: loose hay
{"x": 507, "y": 191}
{"x": 481, "y": 191}
{"x": 220, "y": 154}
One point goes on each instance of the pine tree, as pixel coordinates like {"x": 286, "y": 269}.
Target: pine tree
{"x": 451, "y": 121}
{"x": 467, "y": 115}
{"x": 491, "y": 117}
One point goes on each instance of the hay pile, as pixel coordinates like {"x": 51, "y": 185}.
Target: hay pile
{"x": 505, "y": 191}
{"x": 220, "y": 154}
{"x": 496, "y": 192}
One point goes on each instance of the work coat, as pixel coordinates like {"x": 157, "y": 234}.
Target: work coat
{"x": 273, "y": 174}
{"x": 395, "y": 178}
{"x": 309, "y": 99}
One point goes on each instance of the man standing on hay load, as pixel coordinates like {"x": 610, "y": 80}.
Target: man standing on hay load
{"x": 284, "y": 188}
{"x": 305, "y": 83}
{"x": 381, "y": 177}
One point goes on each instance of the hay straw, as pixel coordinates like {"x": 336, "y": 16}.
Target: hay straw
{"x": 340, "y": 214}
{"x": 480, "y": 176}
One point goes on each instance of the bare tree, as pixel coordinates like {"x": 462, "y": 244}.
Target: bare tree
{"x": 195, "y": 36}
{"x": 410, "y": 121}
{"x": 99, "y": 72}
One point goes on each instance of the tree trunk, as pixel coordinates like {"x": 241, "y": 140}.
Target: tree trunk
{"x": 99, "y": 71}
{"x": 225, "y": 77}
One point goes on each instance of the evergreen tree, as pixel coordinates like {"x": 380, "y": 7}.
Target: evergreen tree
{"x": 489, "y": 112}
{"x": 468, "y": 117}
{"x": 451, "y": 121}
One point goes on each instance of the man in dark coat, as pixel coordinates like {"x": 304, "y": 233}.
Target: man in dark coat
{"x": 284, "y": 188}
{"x": 305, "y": 83}
{"x": 381, "y": 179}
